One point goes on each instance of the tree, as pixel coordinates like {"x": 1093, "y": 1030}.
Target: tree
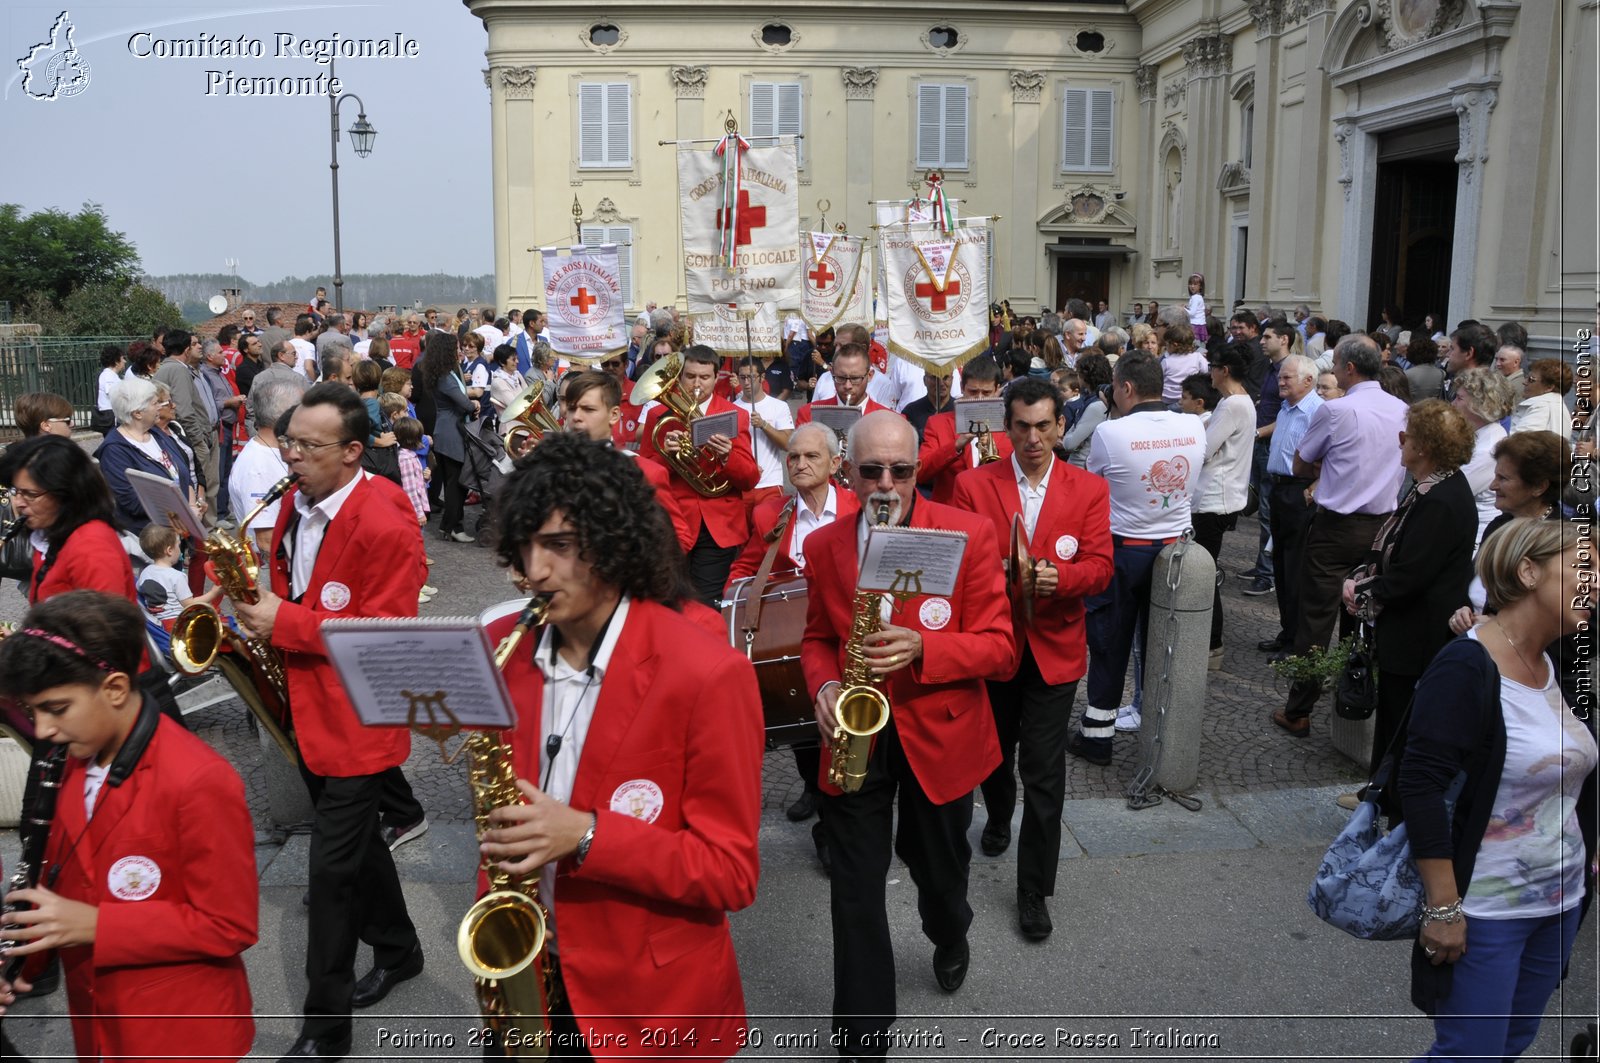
{"x": 117, "y": 308}
{"x": 53, "y": 253}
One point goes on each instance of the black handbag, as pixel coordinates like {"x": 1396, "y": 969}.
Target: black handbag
{"x": 1356, "y": 695}
{"x": 16, "y": 556}
{"x": 384, "y": 462}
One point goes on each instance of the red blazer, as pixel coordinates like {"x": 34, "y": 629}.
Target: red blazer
{"x": 662, "y": 482}
{"x": 643, "y": 924}
{"x": 965, "y": 640}
{"x": 723, "y": 517}
{"x": 370, "y": 564}
{"x": 92, "y": 559}
{"x": 169, "y": 861}
{"x": 765, "y": 518}
{"x": 941, "y": 463}
{"x": 804, "y": 414}
{"x": 1073, "y": 533}
{"x": 626, "y": 430}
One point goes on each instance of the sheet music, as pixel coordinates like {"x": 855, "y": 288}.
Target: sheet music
{"x": 839, "y": 418}
{"x": 987, "y": 414}
{"x": 701, "y": 429}
{"x": 163, "y": 500}
{"x": 912, "y": 561}
{"x": 402, "y": 672}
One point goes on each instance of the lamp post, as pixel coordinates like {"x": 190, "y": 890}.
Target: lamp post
{"x": 362, "y": 134}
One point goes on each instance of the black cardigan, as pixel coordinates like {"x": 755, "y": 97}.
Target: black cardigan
{"x": 1457, "y": 724}
{"x": 1425, "y": 577}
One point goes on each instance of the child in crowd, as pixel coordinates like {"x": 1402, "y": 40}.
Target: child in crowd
{"x": 397, "y": 381}
{"x": 148, "y": 883}
{"x": 1068, "y": 382}
{"x": 1198, "y": 396}
{"x": 414, "y": 476}
{"x": 163, "y": 590}
{"x": 1197, "y": 307}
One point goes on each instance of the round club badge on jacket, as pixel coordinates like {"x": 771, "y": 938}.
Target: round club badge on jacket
{"x": 134, "y": 878}
{"x": 935, "y": 613}
{"x": 335, "y": 596}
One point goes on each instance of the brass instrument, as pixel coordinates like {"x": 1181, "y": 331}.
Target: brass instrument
{"x": 501, "y": 938}
{"x": 530, "y": 418}
{"x": 698, "y": 468}
{"x": 862, "y": 709}
{"x": 253, "y": 669}
{"x": 1022, "y": 573}
{"x": 987, "y": 451}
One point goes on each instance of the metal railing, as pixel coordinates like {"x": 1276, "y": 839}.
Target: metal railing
{"x": 66, "y": 365}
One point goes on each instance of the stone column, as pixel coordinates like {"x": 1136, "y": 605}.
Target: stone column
{"x": 516, "y": 282}
{"x": 1209, "y": 59}
{"x": 1315, "y": 145}
{"x": 1472, "y": 109}
{"x": 1027, "y": 86}
{"x": 1358, "y": 178}
{"x": 860, "y": 86}
{"x": 1149, "y": 190}
{"x": 689, "y": 85}
{"x": 497, "y": 165}
{"x": 1257, "y": 272}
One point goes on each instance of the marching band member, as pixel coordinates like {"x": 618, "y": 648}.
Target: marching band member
{"x": 593, "y": 401}
{"x": 346, "y": 544}
{"x": 852, "y": 372}
{"x": 718, "y": 523}
{"x": 939, "y": 744}
{"x": 947, "y": 449}
{"x": 625, "y": 432}
{"x": 1066, "y": 514}
{"x": 642, "y": 795}
{"x": 148, "y": 885}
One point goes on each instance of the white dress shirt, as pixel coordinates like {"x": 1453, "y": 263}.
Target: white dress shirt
{"x": 1032, "y": 498}
{"x": 769, "y": 458}
{"x": 308, "y": 534}
{"x": 806, "y": 522}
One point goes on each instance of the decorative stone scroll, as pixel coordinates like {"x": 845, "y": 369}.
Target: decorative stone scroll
{"x": 860, "y": 82}
{"x": 517, "y": 81}
{"x": 1026, "y": 86}
{"x": 689, "y": 82}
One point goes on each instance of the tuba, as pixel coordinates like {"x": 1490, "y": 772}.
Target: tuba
{"x": 253, "y": 669}
{"x": 530, "y": 420}
{"x": 862, "y": 709}
{"x": 501, "y": 938}
{"x": 697, "y": 467}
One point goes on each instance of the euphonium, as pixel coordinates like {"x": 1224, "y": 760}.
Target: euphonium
{"x": 862, "y": 709}
{"x": 501, "y": 938}
{"x": 699, "y": 470}
{"x": 530, "y": 420}
{"x": 254, "y": 669}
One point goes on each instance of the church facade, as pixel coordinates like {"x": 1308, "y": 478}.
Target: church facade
{"x": 1430, "y": 156}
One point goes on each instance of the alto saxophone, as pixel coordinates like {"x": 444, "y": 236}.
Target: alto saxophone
{"x": 501, "y": 939}
{"x": 862, "y": 709}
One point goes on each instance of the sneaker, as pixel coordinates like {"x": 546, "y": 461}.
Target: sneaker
{"x": 1261, "y": 585}
{"x": 1128, "y": 718}
{"x": 395, "y": 837}
{"x": 429, "y": 590}
{"x": 458, "y": 537}
{"x": 423, "y": 598}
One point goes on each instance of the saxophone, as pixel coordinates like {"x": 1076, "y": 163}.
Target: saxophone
{"x": 38, "y": 813}
{"x": 501, "y": 938}
{"x": 862, "y": 709}
{"x": 254, "y": 669}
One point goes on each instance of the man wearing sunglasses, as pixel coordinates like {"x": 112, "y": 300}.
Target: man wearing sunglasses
{"x": 932, "y": 655}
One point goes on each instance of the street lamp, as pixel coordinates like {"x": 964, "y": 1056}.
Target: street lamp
{"x": 362, "y": 134}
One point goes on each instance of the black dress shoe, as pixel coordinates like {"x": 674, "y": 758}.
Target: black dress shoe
{"x": 804, "y": 807}
{"x": 376, "y": 983}
{"x": 1033, "y": 915}
{"x": 1272, "y": 645}
{"x": 1093, "y": 752}
{"x": 329, "y": 1048}
{"x": 996, "y": 838}
{"x": 820, "y": 839}
{"x": 950, "y": 965}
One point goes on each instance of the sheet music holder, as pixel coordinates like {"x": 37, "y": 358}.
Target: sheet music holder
{"x": 163, "y": 500}
{"x": 701, "y": 429}
{"x": 986, "y": 414}
{"x": 434, "y": 674}
{"x": 839, "y": 418}
{"x": 907, "y": 562}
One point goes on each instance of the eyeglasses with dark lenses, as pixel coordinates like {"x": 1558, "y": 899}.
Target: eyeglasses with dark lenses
{"x": 873, "y": 472}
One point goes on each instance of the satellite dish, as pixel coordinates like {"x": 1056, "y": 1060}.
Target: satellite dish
{"x": 218, "y": 304}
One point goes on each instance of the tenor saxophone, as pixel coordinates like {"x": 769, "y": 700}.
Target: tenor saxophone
{"x": 862, "y": 709}
{"x": 501, "y": 938}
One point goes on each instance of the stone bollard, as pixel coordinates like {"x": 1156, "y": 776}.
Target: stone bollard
{"x": 1181, "y": 615}
{"x": 288, "y": 800}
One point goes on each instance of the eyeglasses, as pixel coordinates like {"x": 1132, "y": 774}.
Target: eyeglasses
{"x": 849, "y": 379}
{"x": 873, "y": 472}
{"x": 167, "y": 404}
{"x": 26, "y": 496}
{"x": 55, "y": 420}
{"x": 288, "y": 443}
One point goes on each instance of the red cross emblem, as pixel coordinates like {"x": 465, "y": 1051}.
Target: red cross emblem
{"x": 821, "y": 276}
{"x": 936, "y": 298}
{"x": 749, "y": 218}
{"x": 583, "y": 301}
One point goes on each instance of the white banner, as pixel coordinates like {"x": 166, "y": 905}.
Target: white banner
{"x": 722, "y": 328}
{"x": 583, "y": 298}
{"x": 837, "y": 279}
{"x": 766, "y": 262}
{"x": 899, "y": 211}
{"x": 936, "y": 294}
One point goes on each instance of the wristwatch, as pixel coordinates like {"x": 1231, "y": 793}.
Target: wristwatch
{"x": 582, "y": 852}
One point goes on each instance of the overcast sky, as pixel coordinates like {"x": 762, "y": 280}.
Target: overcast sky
{"x": 196, "y": 179}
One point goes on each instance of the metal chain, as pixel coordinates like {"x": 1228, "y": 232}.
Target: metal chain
{"x": 1143, "y": 791}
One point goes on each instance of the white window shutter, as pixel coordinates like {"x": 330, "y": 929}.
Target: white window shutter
{"x": 930, "y": 125}
{"x": 591, "y": 124}
{"x": 1075, "y": 129}
{"x": 619, "y": 133}
{"x": 955, "y": 127}
{"x": 1100, "y": 129}
{"x": 763, "y": 109}
{"x": 622, "y": 236}
{"x": 788, "y": 118}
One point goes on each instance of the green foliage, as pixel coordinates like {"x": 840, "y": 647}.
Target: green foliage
{"x": 1317, "y": 665}
{"x": 51, "y": 253}
{"x": 117, "y": 308}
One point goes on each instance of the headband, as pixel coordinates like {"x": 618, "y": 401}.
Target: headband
{"x": 66, "y": 644}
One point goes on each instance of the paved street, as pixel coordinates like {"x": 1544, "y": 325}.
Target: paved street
{"x": 1165, "y": 919}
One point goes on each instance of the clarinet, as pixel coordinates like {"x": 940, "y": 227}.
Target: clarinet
{"x": 38, "y": 813}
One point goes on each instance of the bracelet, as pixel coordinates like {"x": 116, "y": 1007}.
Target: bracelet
{"x": 585, "y": 842}
{"x": 1447, "y": 913}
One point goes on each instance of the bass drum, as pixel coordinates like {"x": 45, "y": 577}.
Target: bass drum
{"x": 775, "y": 651}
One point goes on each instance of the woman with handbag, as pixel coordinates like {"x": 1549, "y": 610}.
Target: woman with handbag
{"x": 137, "y": 443}
{"x": 1421, "y": 565}
{"x": 1508, "y": 870}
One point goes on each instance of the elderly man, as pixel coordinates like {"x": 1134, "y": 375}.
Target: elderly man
{"x": 1289, "y": 506}
{"x": 1508, "y": 359}
{"x": 1350, "y": 448}
{"x": 196, "y": 408}
{"x": 931, "y": 655}
{"x": 336, "y": 337}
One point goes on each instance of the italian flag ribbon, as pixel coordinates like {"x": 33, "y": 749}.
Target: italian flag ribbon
{"x": 730, "y": 149}
{"x": 941, "y": 209}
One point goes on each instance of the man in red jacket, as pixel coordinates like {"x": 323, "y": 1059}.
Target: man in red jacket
{"x": 642, "y": 796}
{"x": 852, "y": 369}
{"x": 1066, "y": 515}
{"x": 719, "y": 524}
{"x": 346, "y": 544}
{"x": 947, "y": 448}
{"x": 932, "y": 655}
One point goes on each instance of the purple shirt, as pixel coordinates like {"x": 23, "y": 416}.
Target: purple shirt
{"x": 1357, "y": 439}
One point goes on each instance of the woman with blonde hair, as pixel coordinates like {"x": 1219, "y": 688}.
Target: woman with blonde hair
{"x": 1483, "y": 397}
{"x": 1542, "y": 408}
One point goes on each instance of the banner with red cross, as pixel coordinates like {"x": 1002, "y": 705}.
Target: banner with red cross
{"x": 837, "y": 278}
{"x": 584, "y": 300}
{"x": 936, "y": 292}
{"x": 763, "y": 225}
{"x": 723, "y": 329}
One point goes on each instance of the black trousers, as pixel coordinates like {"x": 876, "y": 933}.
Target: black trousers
{"x": 1291, "y": 519}
{"x": 1335, "y": 544}
{"x": 1394, "y": 695}
{"x": 932, "y": 840}
{"x": 398, "y": 807}
{"x": 1209, "y": 528}
{"x": 709, "y": 565}
{"x": 355, "y": 897}
{"x": 808, "y": 762}
{"x": 1033, "y": 715}
{"x": 449, "y": 470}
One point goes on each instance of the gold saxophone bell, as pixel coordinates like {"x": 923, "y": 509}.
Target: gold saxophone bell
{"x": 862, "y": 709}
{"x": 987, "y": 451}
{"x": 661, "y": 383}
{"x": 530, "y": 419}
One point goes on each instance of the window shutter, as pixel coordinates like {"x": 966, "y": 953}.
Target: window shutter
{"x": 930, "y": 127}
{"x": 1075, "y": 129}
{"x": 788, "y": 117}
{"x": 763, "y": 109}
{"x": 591, "y": 124}
{"x": 619, "y": 134}
{"x": 1100, "y": 129}
{"x": 955, "y": 127}
{"x": 622, "y": 236}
